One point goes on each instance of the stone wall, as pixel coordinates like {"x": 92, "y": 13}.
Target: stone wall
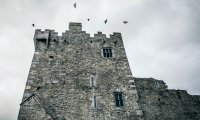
{"x": 160, "y": 103}
{"x": 59, "y": 81}
{"x": 70, "y": 79}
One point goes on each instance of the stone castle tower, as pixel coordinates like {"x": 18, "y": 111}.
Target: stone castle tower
{"x": 78, "y": 77}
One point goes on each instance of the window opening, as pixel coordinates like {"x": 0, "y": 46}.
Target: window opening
{"x": 92, "y": 81}
{"x": 107, "y": 52}
{"x": 95, "y": 102}
{"x": 118, "y": 99}
{"x": 115, "y": 43}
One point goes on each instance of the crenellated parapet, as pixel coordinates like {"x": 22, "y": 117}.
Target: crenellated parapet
{"x": 75, "y": 27}
{"x": 74, "y": 36}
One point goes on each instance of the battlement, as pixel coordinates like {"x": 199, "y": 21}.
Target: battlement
{"x": 74, "y": 36}
{"x": 75, "y": 27}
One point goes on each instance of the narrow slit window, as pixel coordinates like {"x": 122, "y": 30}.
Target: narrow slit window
{"x": 118, "y": 99}
{"x": 107, "y": 52}
{"x": 95, "y": 102}
{"x": 92, "y": 81}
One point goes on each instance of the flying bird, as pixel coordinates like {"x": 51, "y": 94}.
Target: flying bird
{"x": 88, "y": 19}
{"x": 125, "y": 22}
{"x": 33, "y": 25}
{"x": 105, "y": 21}
{"x": 74, "y": 5}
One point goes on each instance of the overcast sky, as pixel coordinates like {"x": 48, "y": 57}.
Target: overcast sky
{"x": 161, "y": 39}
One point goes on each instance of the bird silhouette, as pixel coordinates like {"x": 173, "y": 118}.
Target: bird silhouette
{"x": 88, "y": 19}
{"x": 125, "y": 22}
{"x": 105, "y": 21}
{"x": 33, "y": 25}
{"x": 74, "y": 5}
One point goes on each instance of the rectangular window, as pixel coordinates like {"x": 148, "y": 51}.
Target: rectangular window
{"x": 118, "y": 99}
{"x": 107, "y": 52}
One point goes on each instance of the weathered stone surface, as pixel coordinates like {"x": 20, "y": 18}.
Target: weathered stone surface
{"x": 61, "y": 72}
{"x": 160, "y": 103}
{"x": 69, "y": 79}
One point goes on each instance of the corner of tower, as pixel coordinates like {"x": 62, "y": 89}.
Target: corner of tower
{"x": 41, "y": 38}
{"x": 116, "y": 37}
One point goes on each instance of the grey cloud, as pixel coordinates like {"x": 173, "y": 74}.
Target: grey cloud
{"x": 161, "y": 39}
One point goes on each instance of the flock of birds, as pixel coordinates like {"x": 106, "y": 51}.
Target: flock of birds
{"x": 105, "y": 21}
{"x": 125, "y": 22}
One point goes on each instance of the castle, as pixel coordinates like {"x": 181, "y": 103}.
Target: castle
{"x": 78, "y": 77}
